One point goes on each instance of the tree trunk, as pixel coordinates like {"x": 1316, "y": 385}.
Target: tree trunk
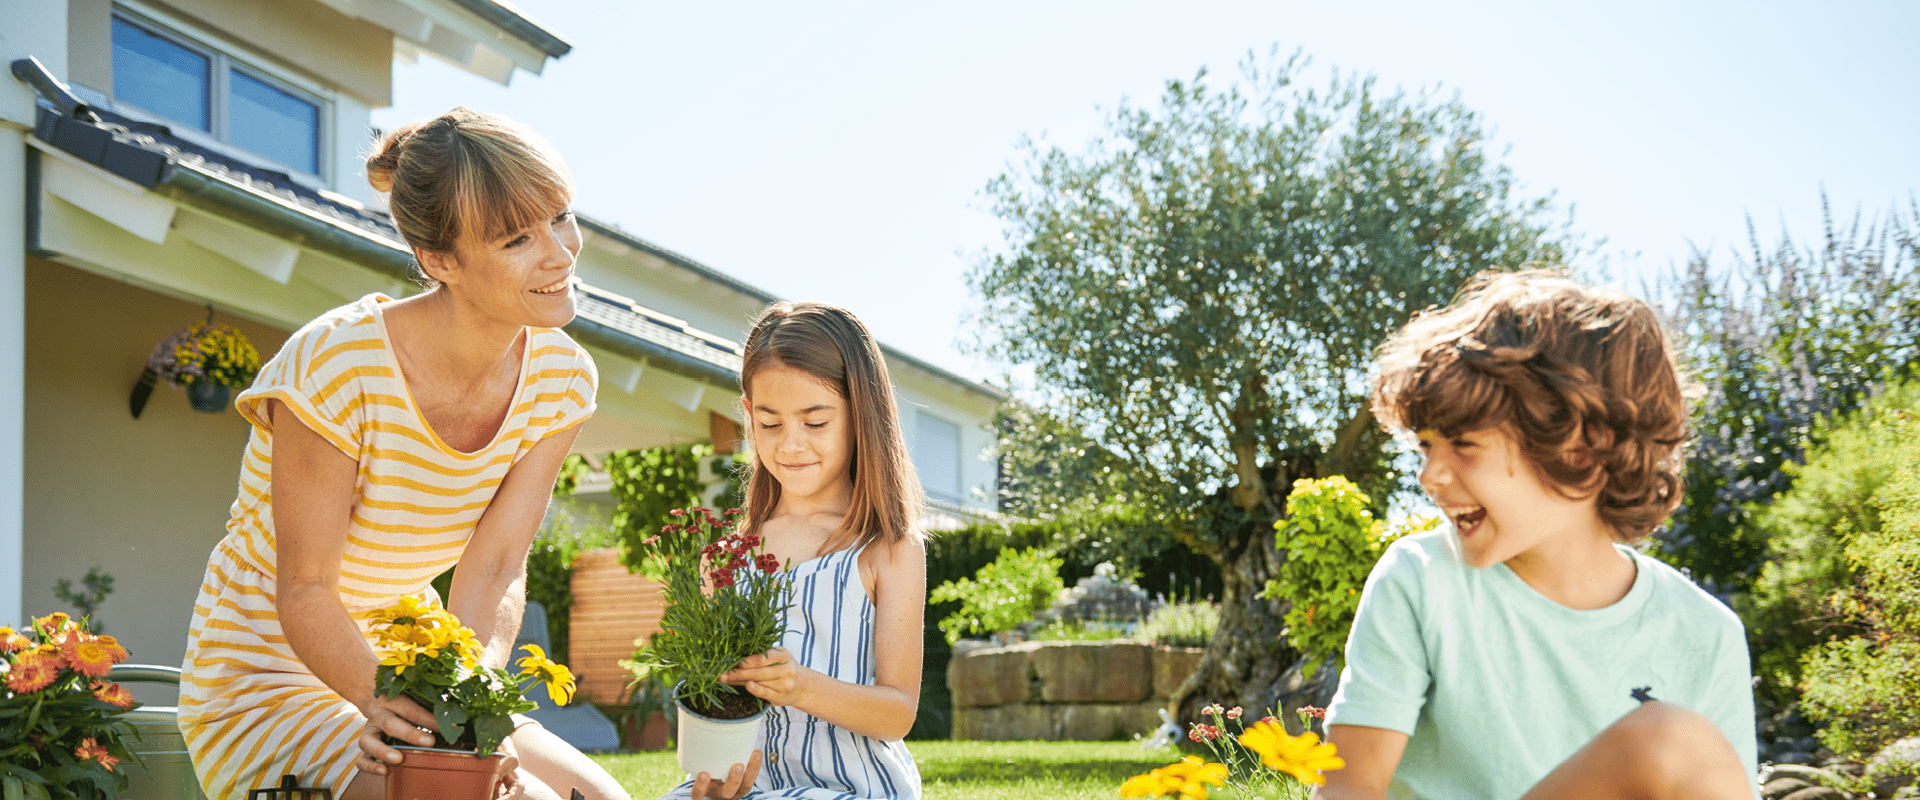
{"x": 1249, "y": 663}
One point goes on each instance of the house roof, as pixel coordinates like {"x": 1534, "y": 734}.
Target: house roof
{"x": 150, "y": 155}
{"x": 521, "y": 26}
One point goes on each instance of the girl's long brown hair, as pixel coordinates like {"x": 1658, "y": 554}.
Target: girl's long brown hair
{"x": 830, "y": 344}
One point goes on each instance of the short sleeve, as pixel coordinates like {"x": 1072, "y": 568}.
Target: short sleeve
{"x": 1384, "y": 684}
{"x": 575, "y": 402}
{"x": 1729, "y": 698}
{"x": 314, "y": 382}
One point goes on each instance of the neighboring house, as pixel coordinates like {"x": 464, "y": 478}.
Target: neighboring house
{"x": 212, "y": 165}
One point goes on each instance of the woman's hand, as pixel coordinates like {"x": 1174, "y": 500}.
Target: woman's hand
{"x": 772, "y": 676}
{"x": 398, "y": 717}
{"x": 739, "y": 781}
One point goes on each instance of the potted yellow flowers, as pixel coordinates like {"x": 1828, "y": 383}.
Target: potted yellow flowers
{"x": 60, "y": 718}
{"x": 426, "y": 654}
{"x": 1265, "y": 752}
{"x": 210, "y": 360}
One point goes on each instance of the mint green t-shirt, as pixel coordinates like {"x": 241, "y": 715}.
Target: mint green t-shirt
{"x": 1496, "y": 685}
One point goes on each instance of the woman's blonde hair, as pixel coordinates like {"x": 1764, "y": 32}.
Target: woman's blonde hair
{"x": 829, "y": 343}
{"x": 467, "y": 173}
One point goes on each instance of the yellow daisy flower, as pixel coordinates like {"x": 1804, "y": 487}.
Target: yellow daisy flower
{"x": 559, "y": 679}
{"x": 1304, "y": 756}
{"x": 1186, "y": 779}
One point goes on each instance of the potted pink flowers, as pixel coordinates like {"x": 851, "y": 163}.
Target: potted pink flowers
{"x": 726, "y": 600}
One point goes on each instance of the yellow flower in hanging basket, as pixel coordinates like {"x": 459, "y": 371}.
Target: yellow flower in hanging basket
{"x": 210, "y": 352}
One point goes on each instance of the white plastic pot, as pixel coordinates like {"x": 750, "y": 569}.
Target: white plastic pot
{"x": 713, "y": 745}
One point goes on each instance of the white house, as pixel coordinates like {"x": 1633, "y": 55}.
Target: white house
{"x": 160, "y": 161}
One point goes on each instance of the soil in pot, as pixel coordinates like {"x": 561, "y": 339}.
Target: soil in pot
{"x": 732, "y": 706}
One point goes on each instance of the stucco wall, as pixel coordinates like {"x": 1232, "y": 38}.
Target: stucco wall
{"x": 144, "y": 499}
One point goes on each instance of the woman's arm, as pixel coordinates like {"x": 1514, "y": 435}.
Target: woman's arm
{"x": 490, "y": 585}
{"x": 1371, "y": 754}
{"x": 884, "y": 711}
{"x": 312, "y": 495}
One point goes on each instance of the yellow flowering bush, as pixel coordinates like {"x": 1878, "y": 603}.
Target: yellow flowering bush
{"x": 60, "y": 719}
{"x": 426, "y": 654}
{"x": 1265, "y": 752}
{"x": 211, "y": 352}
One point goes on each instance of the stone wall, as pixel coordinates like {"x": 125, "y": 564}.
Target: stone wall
{"x": 1064, "y": 691}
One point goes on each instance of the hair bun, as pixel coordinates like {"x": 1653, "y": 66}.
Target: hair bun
{"x": 385, "y": 160}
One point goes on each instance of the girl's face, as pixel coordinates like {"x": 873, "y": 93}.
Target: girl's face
{"x": 802, "y": 434}
{"x": 524, "y": 277}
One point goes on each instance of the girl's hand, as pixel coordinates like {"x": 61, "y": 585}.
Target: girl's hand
{"x": 739, "y": 781}
{"x": 398, "y": 717}
{"x": 772, "y": 676}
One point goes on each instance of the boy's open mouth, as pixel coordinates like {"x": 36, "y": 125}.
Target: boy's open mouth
{"x": 1466, "y": 521}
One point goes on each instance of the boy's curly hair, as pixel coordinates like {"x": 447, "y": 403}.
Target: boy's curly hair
{"x": 1584, "y": 376}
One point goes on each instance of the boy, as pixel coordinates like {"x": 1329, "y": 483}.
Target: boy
{"x": 1528, "y": 652}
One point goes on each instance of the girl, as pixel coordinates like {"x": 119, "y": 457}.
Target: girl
{"x": 835, "y": 498}
{"x": 391, "y": 439}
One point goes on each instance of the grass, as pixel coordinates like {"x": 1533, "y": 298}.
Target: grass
{"x": 967, "y": 770}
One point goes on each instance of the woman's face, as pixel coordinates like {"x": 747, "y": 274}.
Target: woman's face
{"x": 524, "y": 277}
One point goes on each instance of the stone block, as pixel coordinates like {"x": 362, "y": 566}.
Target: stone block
{"x": 1017, "y": 722}
{"x": 992, "y": 676}
{"x": 1094, "y": 672}
{"x": 1172, "y": 666}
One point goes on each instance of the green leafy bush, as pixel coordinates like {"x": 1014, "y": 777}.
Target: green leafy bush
{"x": 1792, "y": 607}
{"x": 1867, "y": 686}
{"x": 550, "y": 571}
{"x": 1332, "y": 541}
{"x": 1003, "y": 594}
{"x": 1188, "y": 624}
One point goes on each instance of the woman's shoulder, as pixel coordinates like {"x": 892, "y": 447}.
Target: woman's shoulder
{"x": 339, "y": 339}
{"x": 552, "y": 353}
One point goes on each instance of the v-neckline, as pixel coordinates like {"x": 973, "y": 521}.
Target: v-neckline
{"x": 399, "y": 374}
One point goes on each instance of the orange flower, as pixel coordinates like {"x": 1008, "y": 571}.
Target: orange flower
{"x": 12, "y": 642}
{"x": 87, "y": 656}
{"x": 56, "y": 622}
{"x": 112, "y": 693}
{"x": 33, "y": 671}
{"x": 118, "y": 653}
{"x": 90, "y": 749}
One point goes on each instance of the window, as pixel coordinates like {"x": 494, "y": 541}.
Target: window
{"x": 201, "y": 88}
{"x": 936, "y": 455}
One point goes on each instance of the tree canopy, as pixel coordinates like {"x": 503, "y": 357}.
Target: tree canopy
{"x": 1202, "y": 289}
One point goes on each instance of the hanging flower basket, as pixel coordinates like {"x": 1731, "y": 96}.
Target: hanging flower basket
{"x": 209, "y": 360}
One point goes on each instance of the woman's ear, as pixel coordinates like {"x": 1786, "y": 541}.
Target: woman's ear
{"x": 439, "y": 265}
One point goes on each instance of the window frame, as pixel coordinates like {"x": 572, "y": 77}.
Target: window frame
{"x": 957, "y": 495}
{"x": 222, "y": 61}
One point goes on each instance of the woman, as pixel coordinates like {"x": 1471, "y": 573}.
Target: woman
{"x": 391, "y": 439}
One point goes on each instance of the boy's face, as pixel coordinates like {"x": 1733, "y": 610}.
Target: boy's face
{"x": 1500, "y": 506}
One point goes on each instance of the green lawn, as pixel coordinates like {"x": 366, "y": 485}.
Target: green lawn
{"x": 966, "y": 770}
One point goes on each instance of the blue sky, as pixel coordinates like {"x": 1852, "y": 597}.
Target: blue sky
{"x": 835, "y": 151}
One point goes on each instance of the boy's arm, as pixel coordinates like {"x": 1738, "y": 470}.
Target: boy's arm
{"x": 1371, "y": 755}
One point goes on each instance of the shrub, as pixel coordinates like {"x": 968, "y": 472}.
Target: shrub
{"x": 1811, "y": 529}
{"x": 1867, "y": 687}
{"x": 1002, "y": 594}
{"x": 1188, "y": 624}
{"x": 1332, "y": 541}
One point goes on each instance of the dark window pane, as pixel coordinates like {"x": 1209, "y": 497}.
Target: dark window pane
{"x": 273, "y": 123}
{"x": 159, "y": 76}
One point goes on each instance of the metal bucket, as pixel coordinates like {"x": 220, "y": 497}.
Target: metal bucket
{"x": 169, "y": 770}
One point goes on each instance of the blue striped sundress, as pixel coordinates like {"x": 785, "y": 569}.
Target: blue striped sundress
{"x": 830, "y": 630}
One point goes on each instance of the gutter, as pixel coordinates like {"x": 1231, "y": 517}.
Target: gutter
{"x": 519, "y": 26}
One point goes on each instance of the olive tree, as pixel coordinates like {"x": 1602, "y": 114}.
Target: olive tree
{"x": 1201, "y": 291}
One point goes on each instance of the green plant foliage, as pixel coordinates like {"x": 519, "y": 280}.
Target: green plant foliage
{"x": 1247, "y": 244}
{"x": 550, "y": 571}
{"x": 1867, "y": 687}
{"x": 93, "y": 591}
{"x": 1810, "y": 528}
{"x": 1003, "y": 594}
{"x": 1188, "y": 624}
{"x": 725, "y": 600}
{"x": 1332, "y": 542}
{"x": 1078, "y": 631}
{"x": 649, "y": 483}
{"x": 1779, "y": 339}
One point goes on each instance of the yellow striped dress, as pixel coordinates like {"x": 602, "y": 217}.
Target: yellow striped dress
{"x": 249, "y": 709}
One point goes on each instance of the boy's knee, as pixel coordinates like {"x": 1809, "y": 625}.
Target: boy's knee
{"x": 1669, "y": 742}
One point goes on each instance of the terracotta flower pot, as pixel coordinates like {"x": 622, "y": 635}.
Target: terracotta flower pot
{"x": 711, "y": 745}
{"x": 432, "y": 773}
